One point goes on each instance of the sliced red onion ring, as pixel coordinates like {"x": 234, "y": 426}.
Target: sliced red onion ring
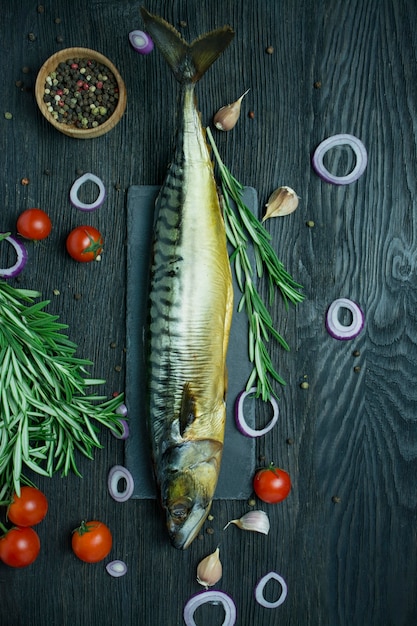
{"x": 259, "y": 590}
{"x": 240, "y": 418}
{"x": 140, "y": 41}
{"x": 116, "y": 474}
{"x": 82, "y": 206}
{"x": 215, "y": 597}
{"x": 22, "y": 257}
{"x": 121, "y": 410}
{"x": 116, "y": 568}
{"x": 340, "y": 140}
{"x": 125, "y": 433}
{"x": 335, "y": 328}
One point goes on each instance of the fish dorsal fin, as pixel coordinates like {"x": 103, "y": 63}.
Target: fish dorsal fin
{"x": 188, "y": 62}
{"x": 188, "y": 411}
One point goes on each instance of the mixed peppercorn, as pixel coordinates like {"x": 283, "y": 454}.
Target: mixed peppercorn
{"x": 81, "y": 93}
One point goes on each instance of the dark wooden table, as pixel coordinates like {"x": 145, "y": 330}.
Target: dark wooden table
{"x": 345, "y": 539}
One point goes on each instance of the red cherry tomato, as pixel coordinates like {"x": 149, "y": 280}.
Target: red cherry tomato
{"x": 34, "y": 224}
{"x": 272, "y": 484}
{"x": 84, "y": 244}
{"x": 19, "y": 547}
{"x": 92, "y": 541}
{"x": 29, "y": 508}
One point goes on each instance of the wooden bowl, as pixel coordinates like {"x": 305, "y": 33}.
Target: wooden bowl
{"x": 51, "y": 64}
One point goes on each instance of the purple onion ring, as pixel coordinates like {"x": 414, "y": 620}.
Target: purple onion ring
{"x": 82, "y": 206}
{"x": 214, "y": 597}
{"x": 140, "y": 41}
{"x": 125, "y": 434}
{"x": 22, "y": 256}
{"x": 240, "y": 418}
{"x": 332, "y": 142}
{"x": 259, "y": 590}
{"x": 116, "y": 568}
{"x": 338, "y": 330}
{"x": 121, "y": 410}
{"x": 117, "y": 473}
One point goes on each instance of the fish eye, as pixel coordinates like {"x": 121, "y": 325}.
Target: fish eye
{"x": 179, "y": 511}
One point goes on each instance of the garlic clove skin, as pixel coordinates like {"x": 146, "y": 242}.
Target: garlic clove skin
{"x": 282, "y": 201}
{"x": 226, "y": 118}
{"x": 210, "y": 570}
{"x": 257, "y": 521}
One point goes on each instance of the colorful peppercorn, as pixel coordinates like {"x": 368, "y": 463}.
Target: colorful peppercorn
{"x": 81, "y": 93}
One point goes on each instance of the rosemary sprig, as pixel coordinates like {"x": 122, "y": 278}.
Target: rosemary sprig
{"x": 46, "y": 415}
{"x": 243, "y": 227}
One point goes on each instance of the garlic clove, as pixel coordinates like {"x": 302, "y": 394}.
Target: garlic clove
{"x": 226, "y": 118}
{"x": 209, "y": 570}
{"x": 281, "y": 202}
{"x": 257, "y": 521}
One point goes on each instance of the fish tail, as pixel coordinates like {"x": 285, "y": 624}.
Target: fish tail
{"x": 188, "y": 62}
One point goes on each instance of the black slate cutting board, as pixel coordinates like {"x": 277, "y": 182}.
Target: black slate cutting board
{"x": 238, "y": 464}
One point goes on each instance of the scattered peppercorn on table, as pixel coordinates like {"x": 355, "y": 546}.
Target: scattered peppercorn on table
{"x": 340, "y": 548}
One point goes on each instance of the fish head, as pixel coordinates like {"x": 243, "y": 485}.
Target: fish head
{"x": 188, "y": 491}
{"x": 186, "y": 510}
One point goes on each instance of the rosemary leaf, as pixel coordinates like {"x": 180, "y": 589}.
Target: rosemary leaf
{"x": 35, "y": 467}
{"x": 5, "y": 408}
{"x": 68, "y": 455}
{"x": 4, "y": 440}
{"x": 17, "y": 461}
{"x": 94, "y": 381}
{"x": 46, "y": 416}
{"x": 242, "y": 227}
{"x": 92, "y": 430}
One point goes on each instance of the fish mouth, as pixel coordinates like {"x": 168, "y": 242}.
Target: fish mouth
{"x": 182, "y": 535}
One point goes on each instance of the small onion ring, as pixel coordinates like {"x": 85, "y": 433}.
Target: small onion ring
{"x": 116, "y": 568}
{"x": 125, "y": 433}
{"x": 22, "y": 257}
{"x": 259, "y": 590}
{"x": 210, "y": 596}
{"x": 332, "y": 142}
{"x": 82, "y": 206}
{"x": 140, "y": 41}
{"x": 240, "y": 419}
{"x": 338, "y": 330}
{"x": 116, "y": 473}
{"x": 121, "y": 410}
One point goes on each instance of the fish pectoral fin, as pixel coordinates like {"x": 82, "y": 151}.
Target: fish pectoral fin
{"x": 188, "y": 411}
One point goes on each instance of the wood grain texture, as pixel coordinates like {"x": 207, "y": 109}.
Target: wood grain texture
{"x": 352, "y": 435}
